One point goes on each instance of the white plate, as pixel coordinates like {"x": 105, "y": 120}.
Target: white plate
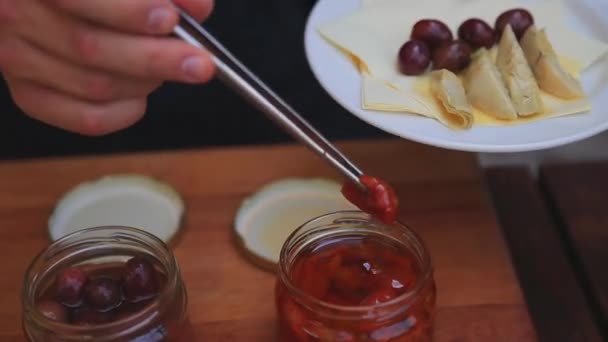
{"x": 342, "y": 81}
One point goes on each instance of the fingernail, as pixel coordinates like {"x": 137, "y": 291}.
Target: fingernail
{"x": 159, "y": 19}
{"x": 194, "y": 67}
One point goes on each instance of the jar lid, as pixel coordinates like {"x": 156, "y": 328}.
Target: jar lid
{"x": 265, "y": 220}
{"x": 119, "y": 200}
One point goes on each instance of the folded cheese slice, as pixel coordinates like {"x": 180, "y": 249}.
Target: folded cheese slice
{"x": 485, "y": 88}
{"x": 517, "y": 75}
{"x": 550, "y": 74}
{"x": 447, "y": 88}
{"x": 379, "y": 95}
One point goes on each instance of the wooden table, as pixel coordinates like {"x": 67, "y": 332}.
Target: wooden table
{"x": 579, "y": 194}
{"x": 442, "y": 197}
{"x": 556, "y": 228}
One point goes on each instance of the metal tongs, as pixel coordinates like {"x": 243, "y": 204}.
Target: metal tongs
{"x": 235, "y": 75}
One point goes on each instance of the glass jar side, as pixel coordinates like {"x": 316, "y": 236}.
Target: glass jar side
{"x": 161, "y": 319}
{"x": 408, "y": 317}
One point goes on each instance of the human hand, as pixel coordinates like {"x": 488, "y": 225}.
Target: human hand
{"x": 88, "y": 66}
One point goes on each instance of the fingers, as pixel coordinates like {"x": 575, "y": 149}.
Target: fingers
{"x": 21, "y": 60}
{"x": 75, "y": 115}
{"x": 136, "y": 16}
{"x": 120, "y": 53}
{"x": 199, "y": 9}
{"x": 87, "y": 66}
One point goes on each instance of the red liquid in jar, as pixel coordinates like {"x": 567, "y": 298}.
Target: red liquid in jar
{"x": 357, "y": 271}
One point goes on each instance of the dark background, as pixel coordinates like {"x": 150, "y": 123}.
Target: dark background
{"x": 267, "y": 36}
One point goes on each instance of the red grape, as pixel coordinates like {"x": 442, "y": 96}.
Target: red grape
{"x": 432, "y": 32}
{"x": 477, "y": 33}
{"x": 453, "y": 56}
{"x": 519, "y": 19}
{"x": 414, "y": 58}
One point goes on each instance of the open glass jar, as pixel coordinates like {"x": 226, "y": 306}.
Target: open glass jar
{"x": 103, "y": 252}
{"x": 346, "y": 276}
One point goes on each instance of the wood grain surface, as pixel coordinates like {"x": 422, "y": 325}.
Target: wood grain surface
{"x": 479, "y": 298}
{"x": 579, "y": 195}
{"x": 560, "y": 312}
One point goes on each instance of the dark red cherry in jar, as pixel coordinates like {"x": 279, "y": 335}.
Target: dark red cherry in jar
{"x": 53, "y": 310}
{"x": 70, "y": 283}
{"x": 126, "y": 310}
{"x": 140, "y": 280}
{"x": 477, "y": 33}
{"x": 86, "y": 316}
{"x": 103, "y": 294}
{"x": 414, "y": 58}
{"x": 453, "y": 56}
{"x": 432, "y": 32}
{"x": 519, "y": 19}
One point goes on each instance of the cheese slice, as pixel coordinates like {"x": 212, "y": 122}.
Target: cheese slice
{"x": 456, "y": 111}
{"x": 552, "y": 77}
{"x": 485, "y": 88}
{"x": 372, "y": 36}
{"x": 517, "y": 75}
{"x": 378, "y": 95}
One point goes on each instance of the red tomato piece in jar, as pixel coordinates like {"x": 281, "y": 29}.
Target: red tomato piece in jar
{"x": 399, "y": 282}
{"x": 324, "y": 333}
{"x": 309, "y": 280}
{"x": 360, "y": 253}
{"x": 403, "y": 282}
{"x": 398, "y": 260}
{"x": 374, "y": 327}
{"x": 379, "y": 296}
{"x": 296, "y": 321}
{"x": 329, "y": 263}
{"x": 349, "y": 279}
{"x": 337, "y": 299}
{"x": 395, "y": 331}
{"x": 380, "y": 200}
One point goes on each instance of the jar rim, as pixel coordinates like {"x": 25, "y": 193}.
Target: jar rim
{"x": 354, "y": 215}
{"x": 28, "y": 302}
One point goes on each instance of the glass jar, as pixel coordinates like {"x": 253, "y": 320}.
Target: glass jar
{"x": 303, "y": 317}
{"x": 162, "y": 319}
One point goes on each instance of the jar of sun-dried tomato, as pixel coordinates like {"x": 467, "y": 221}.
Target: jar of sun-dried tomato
{"x": 346, "y": 276}
{"x": 105, "y": 284}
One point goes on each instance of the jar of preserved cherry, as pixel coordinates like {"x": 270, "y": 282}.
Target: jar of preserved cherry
{"x": 105, "y": 284}
{"x": 346, "y": 276}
